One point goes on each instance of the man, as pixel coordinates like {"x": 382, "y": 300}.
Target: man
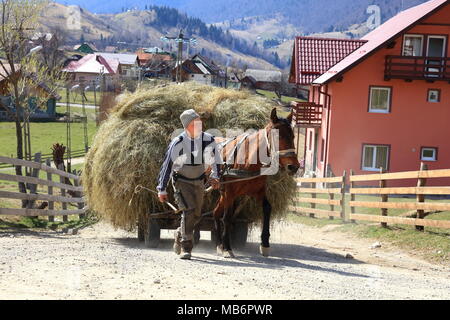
{"x": 186, "y": 161}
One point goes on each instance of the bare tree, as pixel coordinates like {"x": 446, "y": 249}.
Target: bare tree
{"x": 50, "y": 54}
{"x": 21, "y": 67}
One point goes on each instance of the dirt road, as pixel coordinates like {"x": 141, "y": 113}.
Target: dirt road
{"x": 307, "y": 263}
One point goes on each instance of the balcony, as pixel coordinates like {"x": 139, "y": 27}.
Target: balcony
{"x": 417, "y": 68}
{"x": 307, "y": 114}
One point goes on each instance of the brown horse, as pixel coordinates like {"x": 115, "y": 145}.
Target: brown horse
{"x": 249, "y": 180}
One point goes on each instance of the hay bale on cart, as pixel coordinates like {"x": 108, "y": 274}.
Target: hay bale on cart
{"x": 129, "y": 147}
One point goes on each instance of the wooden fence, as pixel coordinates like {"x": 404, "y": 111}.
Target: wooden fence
{"x": 418, "y": 210}
{"x": 334, "y": 188}
{"x": 70, "y": 192}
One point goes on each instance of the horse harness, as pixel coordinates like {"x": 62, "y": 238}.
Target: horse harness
{"x": 242, "y": 174}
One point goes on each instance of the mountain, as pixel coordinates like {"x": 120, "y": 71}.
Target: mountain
{"x": 311, "y": 16}
{"x": 144, "y": 28}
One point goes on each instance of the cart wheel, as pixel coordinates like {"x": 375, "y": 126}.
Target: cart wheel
{"x": 239, "y": 234}
{"x": 141, "y": 232}
{"x": 196, "y": 236}
{"x": 153, "y": 234}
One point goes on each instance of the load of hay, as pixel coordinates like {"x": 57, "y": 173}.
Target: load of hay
{"x": 129, "y": 147}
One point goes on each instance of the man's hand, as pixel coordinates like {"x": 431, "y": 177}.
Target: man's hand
{"x": 215, "y": 183}
{"x": 163, "y": 197}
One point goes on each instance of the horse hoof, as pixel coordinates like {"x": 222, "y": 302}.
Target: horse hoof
{"x": 264, "y": 251}
{"x": 228, "y": 254}
{"x": 219, "y": 250}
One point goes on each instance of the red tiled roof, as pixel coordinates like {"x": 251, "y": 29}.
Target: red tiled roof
{"x": 314, "y": 56}
{"x": 382, "y": 35}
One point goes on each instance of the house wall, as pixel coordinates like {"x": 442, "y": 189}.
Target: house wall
{"x": 89, "y": 78}
{"x": 413, "y": 122}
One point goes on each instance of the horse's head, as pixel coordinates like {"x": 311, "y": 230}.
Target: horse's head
{"x": 287, "y": 155}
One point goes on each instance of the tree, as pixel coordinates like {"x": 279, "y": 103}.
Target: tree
{"x": 21, "y": 66}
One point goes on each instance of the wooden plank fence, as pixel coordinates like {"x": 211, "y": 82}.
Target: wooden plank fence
{"x": 418, "y": 209}
{"x": 334, "y": 188}
{"x": 70, "y": 193}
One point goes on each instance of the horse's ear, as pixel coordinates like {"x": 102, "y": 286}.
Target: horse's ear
{"x": 289, "y": 118}
{"x": 273, "y": 116}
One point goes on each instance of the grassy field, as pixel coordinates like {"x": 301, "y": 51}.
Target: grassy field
{"x": 433, "y": 244}
{"x": 272, "y": 95}
{"x": 76, "y": 97}
{"x": 44, "y": 135}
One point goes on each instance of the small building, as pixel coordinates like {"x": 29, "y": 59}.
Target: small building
{"x": 87, "y": 48}
{"x": 111, "y": 49}
{"x": 233, "y": 81}
{"x": 261, "y": 79}
{"x": 379, "y": 103}
{"x": 128, "y": 61}
{"x": 146, "y": 58}
{"x": 94, "y": 69}
{"x": 37, "y": 112}
{"x": 201, "y": 70}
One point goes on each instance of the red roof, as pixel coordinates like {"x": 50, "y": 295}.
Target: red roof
{"x": 314, "y": 56}
{"x": 383, "y": 35}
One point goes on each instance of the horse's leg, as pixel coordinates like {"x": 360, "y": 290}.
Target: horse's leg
{"x": 265, "y": 234}
{"x": 227, "y": 218}
{"x": 218, "y": 214}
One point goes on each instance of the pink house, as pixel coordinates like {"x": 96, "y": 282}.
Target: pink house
{"x": 379, "y": 102}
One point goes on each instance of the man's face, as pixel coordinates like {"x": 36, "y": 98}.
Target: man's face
{"x": 195, "y": 127}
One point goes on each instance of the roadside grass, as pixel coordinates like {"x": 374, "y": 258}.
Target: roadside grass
{"x": 8, "y": 223}
{"x": 433, "y": 244}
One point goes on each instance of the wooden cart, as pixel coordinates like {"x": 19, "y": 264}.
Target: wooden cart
{"x": 151, "y": 235}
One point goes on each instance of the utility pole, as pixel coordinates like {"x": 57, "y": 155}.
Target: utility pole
{"x": 85, "y": 132}
{"x": 180, "y": 40}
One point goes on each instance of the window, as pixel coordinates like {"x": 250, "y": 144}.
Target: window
{"x": 375, "y": 157}
{"x": 428, "y": 154}
{"x": 380, "y": 100}
{"x": 413, "y": 45}
{"x": 434, "y": 95}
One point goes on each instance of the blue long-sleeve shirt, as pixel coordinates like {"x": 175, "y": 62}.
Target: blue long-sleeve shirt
{"x": 185, "y": 150}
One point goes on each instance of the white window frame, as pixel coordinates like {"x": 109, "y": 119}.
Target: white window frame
{"x": 413, "y": 36}
{"x": 371, "y": 110}
{"x": 436, "y": 37}
{"x": 374, "y": 159}
{"x": 428, "y": 158}
{"x": 438, "y": 93}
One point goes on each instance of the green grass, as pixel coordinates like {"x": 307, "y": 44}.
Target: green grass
{"x": 272, "y": 95}
{"x": 43, "y": 136}
{"x": 75, "y": 97}
{"x": 43, "y": 223}
{"x": 433, "y": 244}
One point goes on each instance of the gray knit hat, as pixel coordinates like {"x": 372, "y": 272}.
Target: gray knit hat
{"x": 187, "y": 116}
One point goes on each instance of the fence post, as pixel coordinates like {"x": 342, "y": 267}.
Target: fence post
{"x": 352, "y": 195}
{"x": 384, "y": 198}
{"x": 51, "y": 204}
{"x": 313, "y": 195}
{"x": 63, "y": 192}
{"x": 343, "y": 211}
{"x": 420, "y": 197}
{"x": 31, "y": 186}
{"x": 80, "y": 205}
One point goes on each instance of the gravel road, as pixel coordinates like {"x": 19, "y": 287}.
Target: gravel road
{"x": 307, "y": 263}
